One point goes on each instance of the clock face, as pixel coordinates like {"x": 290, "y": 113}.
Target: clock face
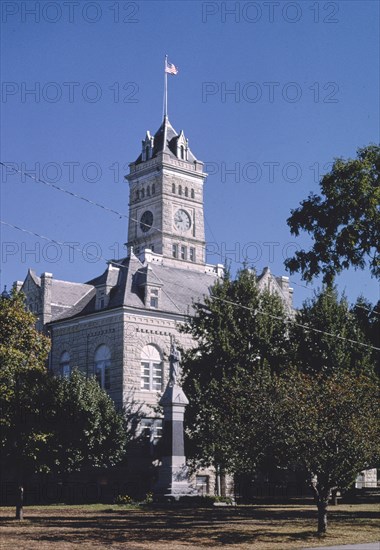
{"x": 182, "y": 220}
{"x": 146, "y": 221}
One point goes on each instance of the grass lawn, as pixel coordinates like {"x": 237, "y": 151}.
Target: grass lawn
{"x": 118, "y": 527}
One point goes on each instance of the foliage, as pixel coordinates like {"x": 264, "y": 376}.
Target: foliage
{"x": 330, "y": 428}
{"x": 85, "y": 428}
{"x": 124, "y": 499}
{"x": 344, "y": 221}
{"x": 264, "y": 390}
{"x": 226, "y": 375}
{"x": 368, "y": 319}
{"x": 49, "y": 424}
{"x": 23, "y": 353}
{"x": 331, "y": 346}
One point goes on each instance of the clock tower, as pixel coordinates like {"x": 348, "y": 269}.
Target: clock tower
{"x": 166, "y": 200}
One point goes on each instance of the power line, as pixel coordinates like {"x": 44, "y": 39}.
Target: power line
{"x": 307, "y": 327}
{"x": 122, "y": 215}
{"x": 215, "y": 297}
{"x": 97, "y": 256}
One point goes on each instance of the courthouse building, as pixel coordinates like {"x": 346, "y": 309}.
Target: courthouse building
{"x": 119, "y": 325}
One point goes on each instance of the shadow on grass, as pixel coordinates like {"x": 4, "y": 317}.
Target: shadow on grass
{"x": 205, "y": 527}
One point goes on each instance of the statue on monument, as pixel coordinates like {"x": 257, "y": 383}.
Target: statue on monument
{"x": 174, "y": 358}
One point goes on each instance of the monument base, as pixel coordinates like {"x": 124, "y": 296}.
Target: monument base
{"x": 173, "y": 484}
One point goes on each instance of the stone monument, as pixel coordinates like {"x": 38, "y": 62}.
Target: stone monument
{"x": 173, "y": 478}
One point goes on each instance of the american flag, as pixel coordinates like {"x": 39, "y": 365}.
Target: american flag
{"x": 170, "y": 68}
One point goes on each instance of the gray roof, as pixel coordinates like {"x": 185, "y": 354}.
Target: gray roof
{"x": 178, "y": 288}
{"x": 165, "y": 141}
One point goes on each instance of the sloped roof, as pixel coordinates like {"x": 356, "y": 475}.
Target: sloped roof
{"x": 165, "y": 141}
{"x": 178, "y": 289}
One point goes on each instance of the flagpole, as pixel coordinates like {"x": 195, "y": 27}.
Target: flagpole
{"x": 166, "y": 89}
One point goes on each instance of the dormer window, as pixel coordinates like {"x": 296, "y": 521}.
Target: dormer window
{"x": 182, "y": 152}
{"x": 153, "y": 298}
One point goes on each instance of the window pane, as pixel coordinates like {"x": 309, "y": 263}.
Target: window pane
{"x": 157, "y": 376}
{"x": 145, "y": 376}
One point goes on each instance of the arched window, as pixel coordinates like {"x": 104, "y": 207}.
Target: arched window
{"x": 148, "y": 191}
{"x": 151, "y": 369}
{"x": 64, "y": 365}
{"x": 173, "y": 188}
{"x": 182, "y": 152}
{"x": 142, "y": 193}
{"x": 153, "y": 189}
{"x": 180, "y": 190}
{"x": 186, "y": 192}
{"x": 102, "y": 363}
{"x": 192, "y": 193}
{"x": 137, "y": 195}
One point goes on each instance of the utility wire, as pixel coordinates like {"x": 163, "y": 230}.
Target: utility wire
{"x": 215, "y": 297}
{"x": 122, "y": 215}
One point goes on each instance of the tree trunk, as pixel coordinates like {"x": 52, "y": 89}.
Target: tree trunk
{"x": 20, "y": 502}
{"x": 322, "y": 515}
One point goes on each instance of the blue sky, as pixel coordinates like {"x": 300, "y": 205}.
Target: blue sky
{"x": 273, "y": 91}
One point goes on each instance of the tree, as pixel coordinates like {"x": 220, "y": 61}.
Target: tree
{"x": 85, "y": 428}
{"x": 368, "y": 318}
{"x": 344, "y": 221}
{"x": 241, "y": 342}
{"x": 23, "y": 352}
{"x": 263, "y": 387}
{"x": 49, "y": 424}
{"x": 330, "y": 402}
{"x": 330, "y": 429}
{"x": 331, "y": 345}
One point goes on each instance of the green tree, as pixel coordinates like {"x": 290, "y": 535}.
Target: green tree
{"x": 331, "y": 344}
{"x": 264, "y": 388}
{"x": 49, "y": 424}
{"x": 330, "y": 429}
{"x": 368, "y": 319}
{"x": 344, "y": 221}
{"x": 241, "y": 342}
{"x": 23, "y": 353}
{"x": 330, "y": 403}
{"x": 84, "y": 427}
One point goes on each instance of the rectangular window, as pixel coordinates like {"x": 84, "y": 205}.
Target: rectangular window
{"x": 183, "y": 252}
{"x": 192, "y": 254}
{"x": 157, "y": 431}
{"x": 157, "y": 376}
{"x": 175, "y": 251}
{"x": 151, "y": 430}
{"x": 145, "y": 376}
{"x": 102, "y": 375}
{"x": 154, "y": 298}
{"x": 151, "y": 376}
